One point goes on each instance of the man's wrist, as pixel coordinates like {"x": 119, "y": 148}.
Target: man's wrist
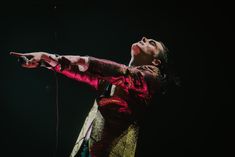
{"x": 83, "y": 63}
{"x": 51, "y": 59}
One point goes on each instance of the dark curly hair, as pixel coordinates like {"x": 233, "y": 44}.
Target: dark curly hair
{"x": 163, "y": 57}
{"x": 168, "y": 76}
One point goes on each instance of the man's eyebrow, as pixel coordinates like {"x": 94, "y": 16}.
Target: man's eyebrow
{"x": 155, "y": 43}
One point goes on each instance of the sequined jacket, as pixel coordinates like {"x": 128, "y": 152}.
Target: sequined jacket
{"x": 125, "y": 93}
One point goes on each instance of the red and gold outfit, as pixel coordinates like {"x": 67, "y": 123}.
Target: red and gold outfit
{"x": 125, "y": 93}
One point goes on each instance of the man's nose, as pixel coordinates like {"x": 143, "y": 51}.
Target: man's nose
{"x": 144, "y": 39}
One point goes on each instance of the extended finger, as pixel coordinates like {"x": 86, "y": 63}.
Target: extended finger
{"x": 16, "y": 54}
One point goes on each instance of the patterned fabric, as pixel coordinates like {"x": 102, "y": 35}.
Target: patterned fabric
{"x": 125, "y": 94}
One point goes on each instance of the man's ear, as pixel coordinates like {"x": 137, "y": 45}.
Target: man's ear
{"x": 156, "y": 62}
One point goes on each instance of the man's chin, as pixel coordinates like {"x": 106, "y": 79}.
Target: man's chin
{"x": 135, "y": 49}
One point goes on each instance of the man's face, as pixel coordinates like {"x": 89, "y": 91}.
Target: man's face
{"x": 147, "y": 47}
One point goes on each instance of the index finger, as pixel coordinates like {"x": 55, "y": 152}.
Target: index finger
{"x": 16, "y": 54}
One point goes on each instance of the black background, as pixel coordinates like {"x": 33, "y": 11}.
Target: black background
{"x": 196, "y": 120}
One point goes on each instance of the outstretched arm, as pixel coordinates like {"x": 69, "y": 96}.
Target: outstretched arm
{"x": 90, "y": 70}
{"x": 140, "y": 80}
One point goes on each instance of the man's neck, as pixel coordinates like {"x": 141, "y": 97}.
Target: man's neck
{"x": 133, "y": 62}
{"x": 136, "y": 62}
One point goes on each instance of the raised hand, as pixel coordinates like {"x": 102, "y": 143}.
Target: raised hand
{"x": 35, "y": 58}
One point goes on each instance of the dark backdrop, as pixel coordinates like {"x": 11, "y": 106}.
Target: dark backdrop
{"x": 196, "y": 119}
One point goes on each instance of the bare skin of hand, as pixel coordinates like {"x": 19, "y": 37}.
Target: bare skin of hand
{"x": 35, "y": 58}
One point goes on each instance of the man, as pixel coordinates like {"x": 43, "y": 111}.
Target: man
{"x": 125, "y": 93}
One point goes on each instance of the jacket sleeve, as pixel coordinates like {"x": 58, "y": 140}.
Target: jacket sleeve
{"x": 75, "y": 73}
{"x": 132, "y": 79}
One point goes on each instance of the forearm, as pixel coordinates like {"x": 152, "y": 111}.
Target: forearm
{"x": 72, "y": 66}
{"x": 54, "y": 59}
